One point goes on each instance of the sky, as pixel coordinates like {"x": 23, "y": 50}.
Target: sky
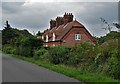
{"x": 35, "y": 16}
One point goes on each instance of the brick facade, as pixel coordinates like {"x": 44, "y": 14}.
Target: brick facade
{"x": 64, "y": 30}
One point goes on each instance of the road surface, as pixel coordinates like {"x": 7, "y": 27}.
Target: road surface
{"x": 16, "y": 70}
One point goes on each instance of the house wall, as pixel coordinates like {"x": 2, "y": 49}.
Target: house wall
{"x": 69, "y": 39}
{"x": 54, "y": 43}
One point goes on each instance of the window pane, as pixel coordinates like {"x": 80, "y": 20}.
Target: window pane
{"x": 78, "y": 36}
{"x": 75, "y": 36}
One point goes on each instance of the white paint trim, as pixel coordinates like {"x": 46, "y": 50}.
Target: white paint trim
{"x": 46, "y": 38}
{"x": 77, "y": 37}
{"x": 53, "y": 37}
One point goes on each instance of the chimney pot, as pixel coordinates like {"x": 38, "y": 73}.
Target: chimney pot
{"x": 65, "y": 13}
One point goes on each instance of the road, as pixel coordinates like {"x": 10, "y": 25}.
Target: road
{"x": 16, "y": 70}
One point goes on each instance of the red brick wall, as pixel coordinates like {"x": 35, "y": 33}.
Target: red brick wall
{"x": 69, "y": 39}
{"x": 51, "y": 43}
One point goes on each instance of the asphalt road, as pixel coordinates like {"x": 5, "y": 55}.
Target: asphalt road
{"x": 15, "y": 70}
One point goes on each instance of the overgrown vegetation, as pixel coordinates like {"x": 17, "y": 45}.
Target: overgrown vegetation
{"x": 19, "y": 42}
{"x": 77, "y": 73}
{"x": 103, "y": 59}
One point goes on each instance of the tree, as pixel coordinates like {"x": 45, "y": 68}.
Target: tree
{"x": 39, "y": 33}
{"x": 28, "y": 45}
{"x": 117, "y": 26}
{"x": 108, "y": 25}
{"x": 7, "y": 25}
{"x": 20, "y": 41}
{"x": 10, "y": 35}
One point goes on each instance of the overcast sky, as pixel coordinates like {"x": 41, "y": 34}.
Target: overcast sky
{"x": 35, "y": 16}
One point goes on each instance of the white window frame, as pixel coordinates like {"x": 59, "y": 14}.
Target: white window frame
{"x": 77, "y": 37}
{"x": 46, "y": 38}
{"x": 53, "y": 37}
{"x": 43, "y": 37}
{"x": 46, "y": 45}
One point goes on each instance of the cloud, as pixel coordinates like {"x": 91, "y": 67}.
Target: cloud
{"x": 60, "y": 1}
{"x": 0, "y": 15}
{"x": 92, "y": 12}
{"x": 36, "y": 16}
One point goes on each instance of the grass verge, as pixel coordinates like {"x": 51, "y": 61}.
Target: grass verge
{"x": 88, "y": 78}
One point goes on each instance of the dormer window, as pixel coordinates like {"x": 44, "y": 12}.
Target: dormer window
{"x": 43, "y": 37}
{"x": 53, "y": 37}
{"x": 77, "y": 37}
{"x": 46, "y": 38}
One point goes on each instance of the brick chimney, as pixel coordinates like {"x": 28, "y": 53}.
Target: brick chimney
{"x": 52, "y": 23}
{"x": 59, "y": 21}
{"x": 68, "y": 17}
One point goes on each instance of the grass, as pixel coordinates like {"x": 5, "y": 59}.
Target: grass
{"x": 88, "y": 78}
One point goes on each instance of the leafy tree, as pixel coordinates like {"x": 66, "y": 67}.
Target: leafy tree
{"x": 21, "y": 41}
{"x": 111, "y": 35}
{"x": 10, "y": 35}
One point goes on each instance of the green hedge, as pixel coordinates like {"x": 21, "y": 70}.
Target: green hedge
{"x": 58, "y": 54}
{"x": 103, "y": 59}
{"x": 39, "y": 53}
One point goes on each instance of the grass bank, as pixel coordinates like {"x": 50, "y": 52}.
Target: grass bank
{"x": 88, "y": 78}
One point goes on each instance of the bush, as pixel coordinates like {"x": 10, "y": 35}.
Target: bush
{"x": 8, "y": 49}
{"x": 39, "y": 53}
{"x": 26, "y": 51}
{"x": 108, "y": 59}
{"x": 114, "y": 65}
{"x": 58, "y": 54}
{"x": 82, "y": 54}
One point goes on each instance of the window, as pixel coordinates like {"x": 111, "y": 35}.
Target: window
{"x": 46, "y": 38}
{"x": 53, "y": 37}
{"x": 43, "y": 37}
{"x": 53, "y": 45}
{"x": 46, "y": 45}
{"x": 77, "y": 37}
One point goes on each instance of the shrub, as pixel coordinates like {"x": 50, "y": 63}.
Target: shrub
{"x": 7, "y": 48}
{"x": 39, "y": 53}
{"x": 82, "y": 54}
{"x": 26, "y": 51}
{"x": 58, "y": 54}
{"x": 114, "y": 65}
{"x": 108, "y": 59}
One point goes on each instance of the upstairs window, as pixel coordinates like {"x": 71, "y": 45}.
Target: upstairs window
{"x": 43, "y": 37}
{"x": 46, "y": 38}
{"x": 77, "y": 37}
{"x": 53, "y": 37}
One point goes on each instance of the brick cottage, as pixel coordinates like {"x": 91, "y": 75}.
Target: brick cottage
{"x": 65, "y": 32}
